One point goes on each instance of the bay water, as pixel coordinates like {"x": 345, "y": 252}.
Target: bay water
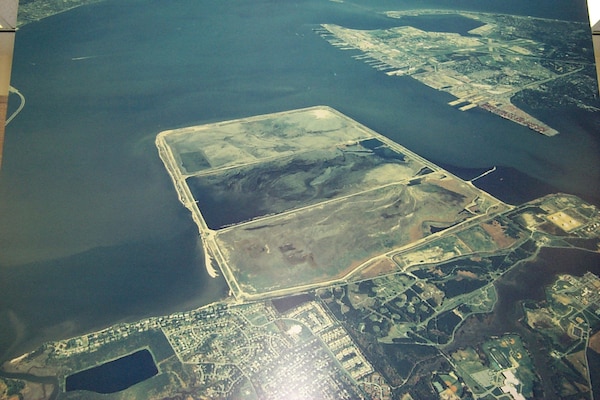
{"x": 91, "y": 230}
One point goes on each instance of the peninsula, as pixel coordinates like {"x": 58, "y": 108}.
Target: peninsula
{"x": 504, "y": 57}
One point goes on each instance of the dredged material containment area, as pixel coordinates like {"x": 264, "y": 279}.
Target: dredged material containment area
{"x": 291, "y": 201}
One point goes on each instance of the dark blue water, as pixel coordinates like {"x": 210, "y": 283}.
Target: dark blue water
{"x": 91, "y": 231}
{"x": 114, "y": 376}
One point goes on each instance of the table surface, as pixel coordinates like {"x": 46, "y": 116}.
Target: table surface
{"x": 8, "y": 14}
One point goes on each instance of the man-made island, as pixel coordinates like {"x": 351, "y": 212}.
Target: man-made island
{"x": 301, "y": 199}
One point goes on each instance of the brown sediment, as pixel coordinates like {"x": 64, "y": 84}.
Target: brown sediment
{"x": 594, "y": 342}
{"x": 379, "y": 267}
{"x": 497, "y": 232}
{"x": 467, "y": 274}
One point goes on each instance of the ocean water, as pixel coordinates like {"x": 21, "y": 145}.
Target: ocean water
{"x": 91, "y": 231}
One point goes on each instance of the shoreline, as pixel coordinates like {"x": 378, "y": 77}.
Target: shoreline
{"x": 39, "y": 10}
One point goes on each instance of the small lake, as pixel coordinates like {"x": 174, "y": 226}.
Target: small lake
{"x": 116, "y": 375}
